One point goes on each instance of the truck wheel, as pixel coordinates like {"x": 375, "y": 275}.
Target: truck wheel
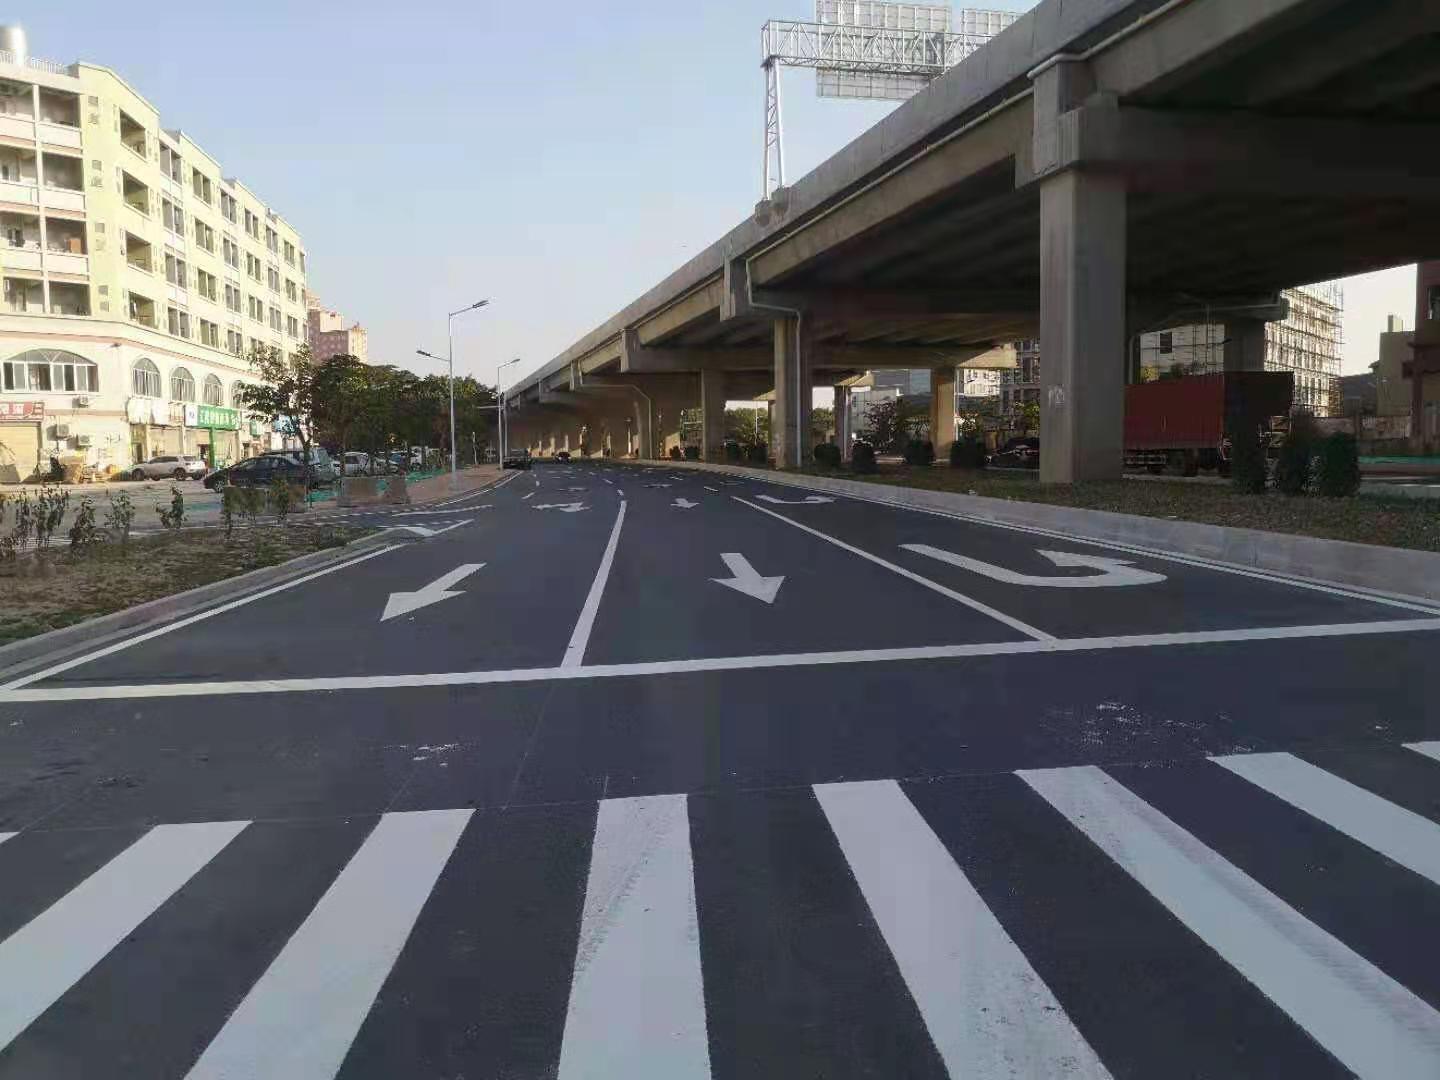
{"x": 138, "y": 474}
{"x": 1192, "y": 463}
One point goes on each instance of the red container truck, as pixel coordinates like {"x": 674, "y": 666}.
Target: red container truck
{"x": 1184, "y": 425}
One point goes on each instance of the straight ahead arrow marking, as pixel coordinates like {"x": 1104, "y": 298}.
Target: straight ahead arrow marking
{"x": 684, "y": 504}
{"x": 402, "y": 603}
{"x": 747, "y": 579}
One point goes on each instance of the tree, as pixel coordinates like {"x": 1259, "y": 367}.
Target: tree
{"x": 342, "y": 398}
{"x": 748, "y": 427}
{"x": 284, "y": 393}
{"x": 891, "y": 423}
{"x": 1028, "y": 416}
{"x": 822, "y": 424}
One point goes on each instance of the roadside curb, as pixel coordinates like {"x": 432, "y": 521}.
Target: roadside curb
{"x": 1395, "y": 573}
{"x": 19, "y": 656}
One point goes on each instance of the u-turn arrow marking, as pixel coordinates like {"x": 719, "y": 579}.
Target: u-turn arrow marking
{"x": 1114, "y": 572}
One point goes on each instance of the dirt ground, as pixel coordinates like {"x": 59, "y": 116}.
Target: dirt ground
{"x": 47, "y": 590}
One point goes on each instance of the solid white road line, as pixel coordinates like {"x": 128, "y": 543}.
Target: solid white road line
{"x": 714, "y": 489}
{"x": 530, "y": 495}
{"x": 1399, "y": 834}
{"x": 442, "y": 513}
{"x": 985, "y": 1007}
{"x": 300, "y": 1018}
{"x": 934, "y": 586}
{"x": 54, "y": 950}
{"x": 1429, "y": 749}
{"x": 637, "y": 999}
{"x": 575, "y": 651}
{"x": 608, "y": 480}
{"x": 1372, "y": 1024}
{"x": 718, "y": 663}
{"x": 191, "y": 620}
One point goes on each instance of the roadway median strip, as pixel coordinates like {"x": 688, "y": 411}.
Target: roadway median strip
{"x": 21, "y": 693}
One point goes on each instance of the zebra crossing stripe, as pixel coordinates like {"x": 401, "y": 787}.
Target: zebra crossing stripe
{"x": 301, "y": 1016}
{"x": 1372, "y": 1024}
{"x": 637, "y": 1000}
{"x": 1399, "y": 834}
{"x": 1429, "y": 749}
{"x": 985, "y": 1007}
{"x": 49, "y": 954}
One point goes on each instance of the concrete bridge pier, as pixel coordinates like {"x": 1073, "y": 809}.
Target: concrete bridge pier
{"x": 791, "y": 440}
{"x": 942, "y": 410}
{"x": 842, "y": 421}
{"x": 712, "y": 414}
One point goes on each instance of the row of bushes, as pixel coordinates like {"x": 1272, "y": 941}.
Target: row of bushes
{"x": 1328, "y": 465}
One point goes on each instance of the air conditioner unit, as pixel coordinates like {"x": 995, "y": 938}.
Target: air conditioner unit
{"x": 82, "y": 402}
{"x": 82, "y": 442}
{"x": 62, "y": 431}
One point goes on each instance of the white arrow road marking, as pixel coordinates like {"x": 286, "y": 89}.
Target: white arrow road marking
{"x": 574, "y": 489}
{"x": 564, "y": 508}
{"x": 709, "y": 488}
{"x": 809, "y": 500}
{"x": 657, "y": 485}
{"x": 402, "y": 603}
{"x": 748, "y": 580}
{"x": 421, "y": 530}
{"x": 1115, "y": 572}
{"x": 684, "y": 504}
{"x": 531, "y": 495}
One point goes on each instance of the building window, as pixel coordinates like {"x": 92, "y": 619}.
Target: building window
{"x": 252, "y": 224}
{"x": 173, "y": 216}
{"x": 175, "y": 271}
{"x": 52, "y": 370}
{"x": 252, "y": 266}
{"x": 182, "y": 385}
{"x": 257, "y": 309}
{"x": 204, "y": 236}
{"x": 235, "y": 342}
{"x": 275, "y": 318}
{"x": 292, "y": 291}
{"x": 177, "y": 322}
{"x": 292, "y": 326}
{"x": 227, "y": 206}
{"x": 1167, "y": 342}
{"x": 272, "y": 240}
{"x": 302, "y": 262}
{"x": 209, "y": 334}
{"x": 201, "y": 184}
{"x": 289, "y": 253}
{"x": 206, "y": 284}
{"x": 273, "y": 277}
{"x": 214, "y": 391}
{"x": 145, "y": 379}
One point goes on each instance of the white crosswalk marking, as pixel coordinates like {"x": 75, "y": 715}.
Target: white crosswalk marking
{"x": 1398, "y": 834}
{"x": 49, "y": 954}
{"x": 1429, "y": 749}
{"x": 637, "y": 1003}
{"x": 1371, "y": 1023}
{"x": 987, "y": 1010}
{"x": 300, "y": 1018}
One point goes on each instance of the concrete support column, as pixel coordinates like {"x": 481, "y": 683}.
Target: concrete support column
{"x": 1082, "y": 323}
{"x": 712, "y": 415}
{"x": 790, "y": 437}
{"x": 842, "y": 421}
{"x": 942, "y": 411}
{"x": 643, "y": 445}
{"x": 1244, "y": 345}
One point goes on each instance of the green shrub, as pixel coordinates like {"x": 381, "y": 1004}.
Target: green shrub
{"x": 281, "y": 498}
{"x": 827, "y": 455}
{"x": 1292, "y": 469}
{"x": 1248, "y": 472}
{"x": 862, "y": 458}
{"x": 675, "y": 454}
{"x": 1337, "y": 466}
{"x": 174, "y": 517}
{"x": 758, "y": 454}
{"x": 84, "y": 535}
{"x": 919, "y": 452}
{"x": 733, "y": 452}
{"x": 692, "y": 453}
{"x": 120, "y": 517}
{"x": 967, "y": 454}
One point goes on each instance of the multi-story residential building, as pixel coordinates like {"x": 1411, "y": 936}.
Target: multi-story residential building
{"x": 1307, "y": 344}
{"x": 329, "y": 336}
{"x": 1021, "y": 384}
{"x": 137, "y": 277}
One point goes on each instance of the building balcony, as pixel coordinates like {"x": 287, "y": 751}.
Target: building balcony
{"x": 59, "y": 135}
{"x": 17, "y": 127}
{"x": 143, "y": 311}
{"x": 60, "y": 108}
{"x": 68, "y": 298}
{"x": 132, "y": 135}
{"x": 139, "y": 254}
{"x": 23, "y": 296}
{"x": 135, "y": 194}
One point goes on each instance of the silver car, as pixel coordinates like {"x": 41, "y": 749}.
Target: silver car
{"x": 170, "y": 466}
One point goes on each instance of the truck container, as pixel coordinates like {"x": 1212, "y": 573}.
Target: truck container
{"x": 1187, "y": 424}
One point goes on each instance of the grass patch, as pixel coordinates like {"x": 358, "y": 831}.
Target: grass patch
{"x": 1401, "y": 523}
{"x": 40, "y": 593}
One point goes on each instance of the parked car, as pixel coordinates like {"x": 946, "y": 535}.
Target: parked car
{"x": 173, "y": 466}
{"x": 400, "y": 461}
{"x": 261, "y": 472}
{"x": 516, "y": 459}
{"x": 1018, "y": 453}
{"x": 356, "y": 463}
{"x": 321, "y": 463}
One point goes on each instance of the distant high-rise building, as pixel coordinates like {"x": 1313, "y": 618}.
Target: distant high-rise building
{"x": 329, "y": 336}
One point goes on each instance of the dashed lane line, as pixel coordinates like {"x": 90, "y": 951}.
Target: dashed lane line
{"x": 15, "y": 695}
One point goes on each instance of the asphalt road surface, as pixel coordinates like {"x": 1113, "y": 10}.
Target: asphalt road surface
{"x": 624, "y": 772}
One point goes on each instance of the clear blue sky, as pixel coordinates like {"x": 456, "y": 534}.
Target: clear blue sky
{"x": 434, "y": 153}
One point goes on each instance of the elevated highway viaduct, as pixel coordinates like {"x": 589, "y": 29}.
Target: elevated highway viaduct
{"x": 1102, "y": 168}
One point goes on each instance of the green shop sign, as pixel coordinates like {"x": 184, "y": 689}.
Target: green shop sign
{"x": 213, "y": 416}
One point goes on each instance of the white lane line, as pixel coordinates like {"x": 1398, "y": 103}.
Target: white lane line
{"x": 714, "y": 489}
{"x": 985, "y": 1007}
{"x": 1372, "y": 1024}
{"x": 608, "y": 480}
{"x": 54, "y": 950}
{"x": 1398, "y": 834}
{"x": 1351, "y": 593}
{"x": 442, "y": 513}
{"x": 301, "y": 1016}
{"x": 478, "y": 492}
{"x": 637, "y": 999}
{"x": 718, "y": 663}
{"x": 191, "y": 620}
{"x": 529, "y": 495}
{"x": 575, "y": 651}
{"x": 1429, "y": 749}
{"x": 934, "y": 586}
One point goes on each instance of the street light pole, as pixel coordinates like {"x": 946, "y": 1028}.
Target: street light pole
{"x": 504, "y": 419}
{"x": 450, "y": 363}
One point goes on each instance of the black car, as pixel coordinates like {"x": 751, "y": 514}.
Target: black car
{"x": 516, "y": 459}
{"x": 1018, "y": 453}
{"x": 259, "y": 472}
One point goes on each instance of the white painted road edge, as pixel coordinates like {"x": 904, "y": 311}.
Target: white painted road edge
{"x": 1429, "y": 749}
{"x": 55, "y": 669}
{"x": 722, "y": 663}
{"x": 934, "y": 586}
{"x": 580, "y": 638}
